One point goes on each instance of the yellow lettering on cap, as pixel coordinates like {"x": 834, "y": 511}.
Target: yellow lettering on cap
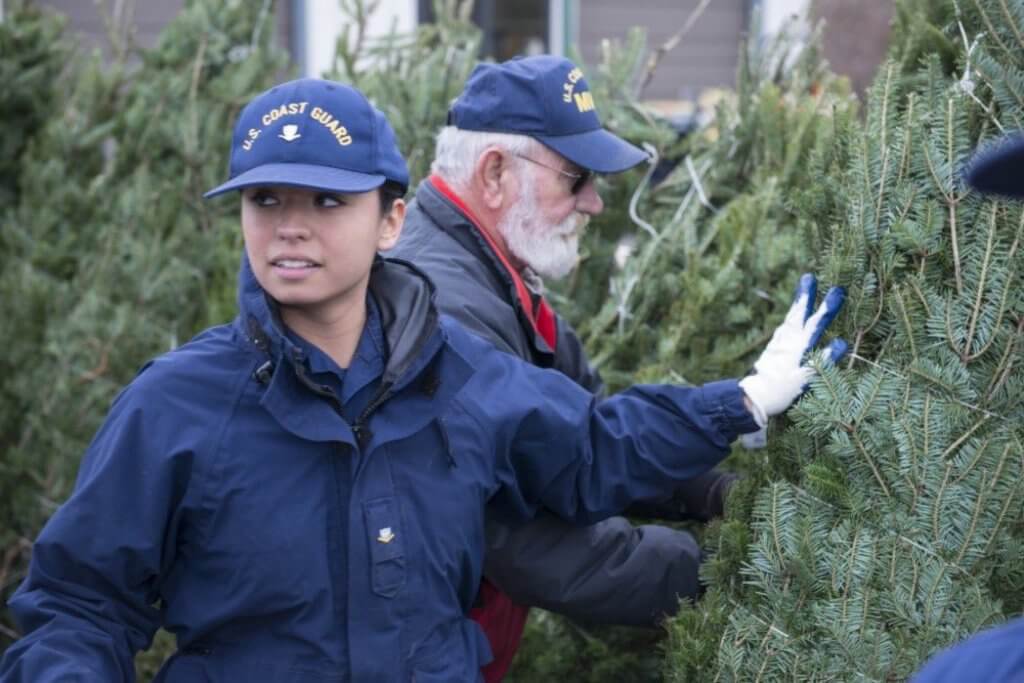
{"x": 584, "y": 101}
{"x": 253, "y": 134}
{"x": 569, "y": 86}
{"x": 332, "y": 124}
{"x": 273, "y": 115}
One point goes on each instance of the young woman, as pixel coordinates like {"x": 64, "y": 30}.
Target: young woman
{"x": 299, "y": 495}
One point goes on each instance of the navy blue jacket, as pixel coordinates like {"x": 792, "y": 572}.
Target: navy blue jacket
{"x": 227, "y": 498}
{"x": 993, "y": 655}
{"x": 614, "y": 571}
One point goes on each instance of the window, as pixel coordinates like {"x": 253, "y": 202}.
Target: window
{"x": 509, "y": 28}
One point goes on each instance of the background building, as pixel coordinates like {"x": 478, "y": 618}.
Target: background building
{"x": 706, "y": 58}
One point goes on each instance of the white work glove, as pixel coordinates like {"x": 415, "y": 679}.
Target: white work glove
{"x": 780, "y": 375}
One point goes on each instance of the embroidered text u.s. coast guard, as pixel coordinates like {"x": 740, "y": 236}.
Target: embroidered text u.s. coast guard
{"x": 291, "y": 109}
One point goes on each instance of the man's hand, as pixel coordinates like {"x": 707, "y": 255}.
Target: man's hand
{"x": 780, "y": 375}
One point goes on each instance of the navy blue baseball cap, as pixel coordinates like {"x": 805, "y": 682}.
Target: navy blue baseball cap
{"x": 548, "y": 99}
{"x": 314, "y": 134}
{"x": 999, "y": 169}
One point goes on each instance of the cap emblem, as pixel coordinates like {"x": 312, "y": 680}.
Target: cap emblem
{"x": 290, "y": 133}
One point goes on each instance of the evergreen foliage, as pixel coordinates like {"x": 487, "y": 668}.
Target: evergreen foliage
{"x": 886, "y": 521}
{"x": 108, "y": 255}
{"x": 698, "y": 298}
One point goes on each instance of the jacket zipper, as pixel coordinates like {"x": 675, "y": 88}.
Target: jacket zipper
{"x": 360, "y": 429}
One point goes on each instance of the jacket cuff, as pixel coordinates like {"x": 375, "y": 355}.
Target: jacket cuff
{"x": 724, "y": 404}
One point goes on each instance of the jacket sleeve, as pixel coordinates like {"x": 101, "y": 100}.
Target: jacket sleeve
{"x": 559, "y": 447}
{"x": 995, "y": 654}
{"x": 87, "y": 604}
{"x": 612, "y": 572}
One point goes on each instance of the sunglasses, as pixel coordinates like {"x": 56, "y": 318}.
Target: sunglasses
{"x": 579, "y": 180}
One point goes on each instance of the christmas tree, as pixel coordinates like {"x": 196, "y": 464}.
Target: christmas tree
{"x": 109, "y": 255}
{"x": 886, "y": 520}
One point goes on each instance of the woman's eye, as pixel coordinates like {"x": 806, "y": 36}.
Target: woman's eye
{"x": 328, "y": 201}
{"x": 263, "y": 198}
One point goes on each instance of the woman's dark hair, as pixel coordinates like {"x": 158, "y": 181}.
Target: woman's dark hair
{"x": 389, "y": 192}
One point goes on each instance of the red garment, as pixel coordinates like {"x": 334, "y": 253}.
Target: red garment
{"x": 503, "y": 622}
{"x": 501, "y": 619}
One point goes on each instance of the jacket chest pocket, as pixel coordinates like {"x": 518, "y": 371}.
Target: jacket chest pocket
{"x": 387, "y": 554}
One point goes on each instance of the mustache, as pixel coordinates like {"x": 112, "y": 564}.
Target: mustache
{"x": 574, "y": 224}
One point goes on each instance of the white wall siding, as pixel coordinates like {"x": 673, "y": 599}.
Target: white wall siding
{"x": 775, "y": 14}
{"x": 706, "y": 57}
{"x": 324, "y": 21}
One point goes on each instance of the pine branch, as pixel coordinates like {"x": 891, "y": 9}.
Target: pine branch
{"x": 948, "y": 387}
{"x": 966, "y": 354}
{"x": 968, "y": 537}
{"x": 1012, "y": 22}
{"x": 966, "y": 435}
{"x": 988, "y": 24}
{"x": 870, "y": 461}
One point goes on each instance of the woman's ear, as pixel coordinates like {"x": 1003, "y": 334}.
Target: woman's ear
{"x": 391, "y": 225}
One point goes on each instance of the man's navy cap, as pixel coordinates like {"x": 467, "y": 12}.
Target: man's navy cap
{"x": 314, "y": 134}
{"x": 548, "y": 99}
{"x": 999, "y": 169}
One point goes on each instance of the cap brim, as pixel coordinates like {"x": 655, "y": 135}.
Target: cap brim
{"x": 596, "y": 150}
{"x": 1000, "y": 169}
{"x": 309, "y": 176}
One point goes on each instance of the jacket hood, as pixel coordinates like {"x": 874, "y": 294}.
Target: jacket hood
{"x": 404, "y": 295}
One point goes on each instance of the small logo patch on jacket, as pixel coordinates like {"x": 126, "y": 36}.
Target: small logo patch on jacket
{"x": 385, "y": 535}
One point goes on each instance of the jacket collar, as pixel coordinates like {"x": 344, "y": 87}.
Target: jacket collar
{"x": 449, "y": 212}
{"x": 409, "y": 318}
{"x": 404, "y": 296}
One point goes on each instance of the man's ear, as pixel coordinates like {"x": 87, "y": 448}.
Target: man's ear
{"x": 391, "y": 226}
{"x": 492, "y": 176}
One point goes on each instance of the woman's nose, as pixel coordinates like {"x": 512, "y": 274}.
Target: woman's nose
{"x": 292, "y": 226}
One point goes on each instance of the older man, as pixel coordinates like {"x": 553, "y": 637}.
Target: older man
{"x": 511, "y": 193}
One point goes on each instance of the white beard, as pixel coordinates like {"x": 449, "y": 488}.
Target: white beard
{"x": 550, "y": 250}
